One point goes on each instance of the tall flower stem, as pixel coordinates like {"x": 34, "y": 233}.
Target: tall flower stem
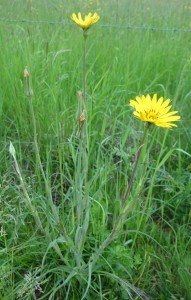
{"x": 124, "y": 211}
{"x": 135, "y": 167}
{"x": 47, "y": 186}
{"x": 85, "y": 127}
{"x": 82, "y": 167}
{"x": 84, "y": 68}
{"x": 32, "y": 208}
{"x": 86, "y": 204}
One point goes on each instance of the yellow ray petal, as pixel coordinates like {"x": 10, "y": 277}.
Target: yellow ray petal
{"x": 168, "y": 114}
{"x": 165, "y": 110}
{"x": 165, "y": 104}
{"x": 170, "y": 119}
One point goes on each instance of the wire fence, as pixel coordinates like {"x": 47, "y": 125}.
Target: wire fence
{"x": 130, "y": 27}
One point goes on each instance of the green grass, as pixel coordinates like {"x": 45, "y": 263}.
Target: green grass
{"x": 150, "y": 257}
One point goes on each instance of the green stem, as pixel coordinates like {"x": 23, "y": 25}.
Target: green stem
{"x": 84, "y": 71}
{"x": 83, "y": 145}
{"x": 34, "y": 211}
{"x": 47, "y": 186}
{"x": 48, "y": 189}
{"x": 85, "y": 126}
{"x": 85, "y": 209}
{"x": 135, "y": 168}
{"x": 124, "y": 213}
{"x": 27, "y": 198}
{"x": 82, "y": 169}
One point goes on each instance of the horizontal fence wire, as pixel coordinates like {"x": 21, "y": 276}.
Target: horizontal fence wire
{"x": 131, "y": 27}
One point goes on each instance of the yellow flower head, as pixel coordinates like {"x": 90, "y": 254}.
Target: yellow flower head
{"x": 87, "y": 22}
{"x": 154, "y": 111}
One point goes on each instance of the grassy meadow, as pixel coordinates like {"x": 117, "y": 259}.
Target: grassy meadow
{"x": 48, "y": 248}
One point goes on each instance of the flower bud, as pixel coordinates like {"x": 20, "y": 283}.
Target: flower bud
{"x": 26, "y": 73}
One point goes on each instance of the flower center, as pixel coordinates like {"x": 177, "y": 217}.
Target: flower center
{"x": 151, "y": 115}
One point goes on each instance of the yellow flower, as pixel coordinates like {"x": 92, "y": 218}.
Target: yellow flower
{"x": 87, "y": 22}
{"x": 154, "y": 111}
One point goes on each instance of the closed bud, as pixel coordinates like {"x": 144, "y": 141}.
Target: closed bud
{"x": 82, "y": 119}
{"x": 12, "y": 149}
{"x": 80, "y": 95}
{"x": 26, "y": 73}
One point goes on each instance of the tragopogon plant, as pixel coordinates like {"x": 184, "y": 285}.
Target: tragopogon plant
{"x": 82, "y": 190}
{"x": 153, "y": 112}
